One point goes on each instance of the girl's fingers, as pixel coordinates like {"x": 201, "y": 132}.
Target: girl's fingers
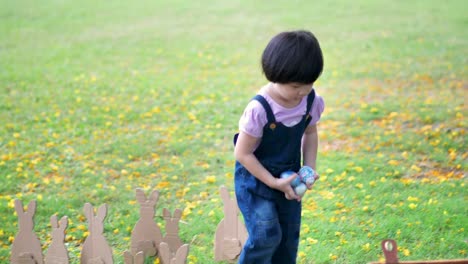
{"x": 292, "y": 196}
{"x": 291, "y": 178}
{"x": 316, "y": 176}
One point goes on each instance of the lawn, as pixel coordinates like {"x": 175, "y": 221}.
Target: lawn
{"x": 98, "y": 98}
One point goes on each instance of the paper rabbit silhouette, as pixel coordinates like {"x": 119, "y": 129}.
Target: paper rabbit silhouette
{"x": 139, "y": 258}
{"x": 167, "y": 257}
{"x": 146, "y": 234}
{"x": 26, "y": 247}
{"x": 57, "y": 252}
{"x": 95, "y": 248}
{"x": 390, "y": 250}
{"x": 26, "y": 258}
{"x": 231, "y": 233}
{"x": 172, "y": 229}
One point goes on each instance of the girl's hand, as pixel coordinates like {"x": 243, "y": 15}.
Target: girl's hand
{"x": 316, "y": 176}
{"x": 284, "y": 185}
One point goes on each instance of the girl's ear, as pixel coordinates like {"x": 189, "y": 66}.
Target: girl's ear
{"x": 19, "y": 207}
{"x": 102, "y": 212}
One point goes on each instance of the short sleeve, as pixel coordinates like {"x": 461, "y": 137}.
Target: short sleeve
{"x": 253, "y": 119}
{"x": 317, "y": 109}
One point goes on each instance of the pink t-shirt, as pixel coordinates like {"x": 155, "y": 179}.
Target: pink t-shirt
{"x": 254, "y": 117}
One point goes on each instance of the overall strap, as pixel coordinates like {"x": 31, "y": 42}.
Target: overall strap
{"x": 266, "y": 106}
{"x": 310, "y": 100}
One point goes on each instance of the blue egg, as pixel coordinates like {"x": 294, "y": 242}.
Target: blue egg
{"x": 288, "y": 174}
{"x": 307, "y": 175}
{"x": 300, "y": 189}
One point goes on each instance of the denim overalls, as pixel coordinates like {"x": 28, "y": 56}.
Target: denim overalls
{"x": 272, "y": 221}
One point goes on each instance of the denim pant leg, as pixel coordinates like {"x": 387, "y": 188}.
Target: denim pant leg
{"x": 262, "y": 223}
{"x": 289, "y": 213}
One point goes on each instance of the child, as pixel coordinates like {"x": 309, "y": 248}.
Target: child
{"x": 276, "y": 126}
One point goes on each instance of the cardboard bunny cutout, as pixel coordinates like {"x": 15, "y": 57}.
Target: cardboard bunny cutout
{"x": 139, "y": 258}
{"x": 167, "y": 257}
{"x": 230, "y": 234}
{"x": 95, "y": 248}
{"x": 146, "y": 234}
{"x": 172, "y": 229}
{"x": 57, "y": 252}
{"x": 26, "y": 258}
{"x": 390, "y": 251}
{"x": 26, "y": 247}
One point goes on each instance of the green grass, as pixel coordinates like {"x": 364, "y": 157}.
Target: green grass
{"x": 99, "y": 98}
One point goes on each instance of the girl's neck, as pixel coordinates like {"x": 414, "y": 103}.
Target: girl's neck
{"x": 272, "y": 90}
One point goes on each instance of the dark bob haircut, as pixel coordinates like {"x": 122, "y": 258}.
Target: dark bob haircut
{"x": 293, "y": 57}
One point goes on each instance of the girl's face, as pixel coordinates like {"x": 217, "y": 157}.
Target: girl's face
{"x": 293, "y": 92}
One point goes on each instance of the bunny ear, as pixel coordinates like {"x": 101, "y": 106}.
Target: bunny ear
{"x": 154, "y": 196}
{"x": 102, "y": 212}
{"x": 88, "y": 211}
{"x": 140, "y": 195}
{"x": 224, "y": 194}
{"x": 53, "y": 221}
{"x": 177, "y": 214}
{"x": 19, "y": 207}
{"x": 165, "y": 252}
{"x": 32, "y": 207}
{"x": 139, "y": 258}
{"x": 166, "y": 213}
{"x": 182, "y": 253}
{"x": 63, "y": 222}
{"x": 128, "y": 257}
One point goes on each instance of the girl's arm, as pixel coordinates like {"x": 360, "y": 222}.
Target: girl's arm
{"x": 309, "y": 147}
{"x": 243, "y": 152}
